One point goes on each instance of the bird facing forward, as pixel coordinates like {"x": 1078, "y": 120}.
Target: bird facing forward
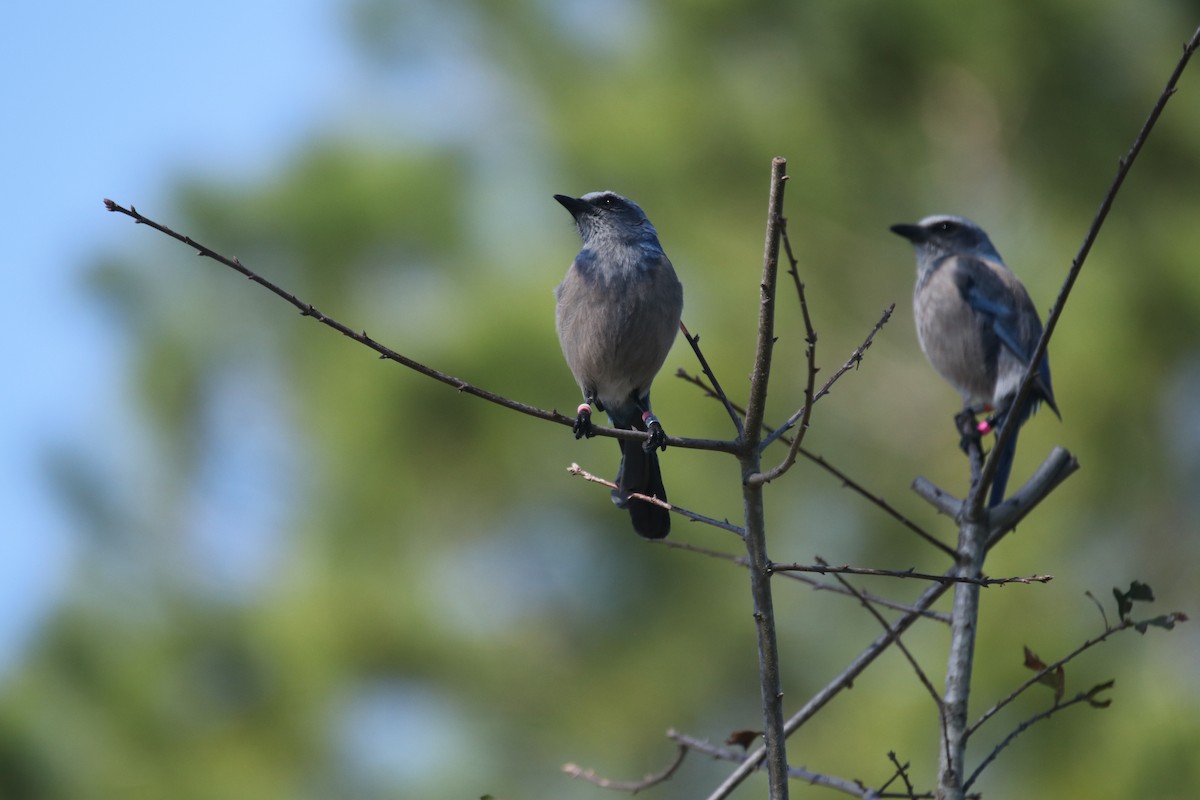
{"x": 618, "y": 310}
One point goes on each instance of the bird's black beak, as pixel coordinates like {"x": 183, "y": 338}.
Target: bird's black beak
{"x": 572, "y": 204}
{"x": 914, "y": 233}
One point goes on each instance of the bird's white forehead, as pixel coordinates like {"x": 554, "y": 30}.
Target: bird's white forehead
{"x": 935, "y": 219}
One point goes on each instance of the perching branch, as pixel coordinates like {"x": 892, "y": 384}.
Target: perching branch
{"x": 1008, "y": 430}
{"x": 308, "y": 310}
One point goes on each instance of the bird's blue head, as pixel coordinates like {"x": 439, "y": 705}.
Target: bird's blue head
{"x": 941, "y": 235}
{"x": 608, "y": 217}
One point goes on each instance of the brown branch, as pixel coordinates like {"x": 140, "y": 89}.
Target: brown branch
{"x": 308, "y": 310}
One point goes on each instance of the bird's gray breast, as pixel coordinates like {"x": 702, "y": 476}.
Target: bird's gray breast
{"x": 617, "y": 322}
{"x": 953, "y": 336}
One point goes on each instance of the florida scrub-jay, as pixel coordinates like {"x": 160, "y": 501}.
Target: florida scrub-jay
{"x": 977, "y": 325}
{"x": 618, "y": 310}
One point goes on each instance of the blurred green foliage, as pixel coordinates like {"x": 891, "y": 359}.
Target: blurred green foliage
{"x": 320, "y": 575}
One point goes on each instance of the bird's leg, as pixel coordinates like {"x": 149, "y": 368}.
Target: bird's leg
{"x": 970, "y": 429}
{"x": 658, "y": 437}
{"x": 583, "y": 421}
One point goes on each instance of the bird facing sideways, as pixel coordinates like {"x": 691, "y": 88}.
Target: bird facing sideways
{"x": 617, "y": 313}
{"x": 977, "y": 326}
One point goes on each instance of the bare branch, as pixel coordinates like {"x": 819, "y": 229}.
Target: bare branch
{"x": 770, "y": 679}
{"x": 810, "y": 352}
{"x": 1088, "y": 697}
{"x": 1037, "y": 676}
{"x": 820, "y": 586}
{"x": 853, "y": 788}
{"x": 308, "y": 310}
{"x": 725, "y": 525}
{"x": 633, "y": 787}
{"x": 921, "y": 676}
{"x": 902, "y": 774}
{"x": 843, "y": 680}
{"x": 760, "y": 375}
{"x": 1057, "y": 467}
{"x": 823, "y": 568}
{"x": 820, "y": 461}
{"x": 879, "y": 502}
{"x": 716, "y": 390}
{"x": 853, "y": 362}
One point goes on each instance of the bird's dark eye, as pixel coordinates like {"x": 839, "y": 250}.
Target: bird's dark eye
{"x": 946, "y": 226}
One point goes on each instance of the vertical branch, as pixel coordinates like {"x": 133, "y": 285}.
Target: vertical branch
{"x": 757, "y": 404}
{"x": 752, "y": 493}
{"x": 972, "y": 546}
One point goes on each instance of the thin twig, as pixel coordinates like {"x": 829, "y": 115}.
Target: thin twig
{"x": 820, "y": 586}
{"x": 921, "y": 676}
{"x": 902, "y": 774}
{"x": 716, "y": 390}
{"x": 725, "y": 525}
{"x": 633, "y": 787}
{"x": 912, "y": 662}
{"x": 820, "y": 461}
{"x": 1037, "y": 676}
{"x": 810, "y": 353}
{"x": 823, "y": 568}
{"x": 853, "y": 362}
{"x": 308, "y": 310}
{"x": 879, "y": 502}
{"x": 1088, "y": 697}
{"x": 853, "y": 788}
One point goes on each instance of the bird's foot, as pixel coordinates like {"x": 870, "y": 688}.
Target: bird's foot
{"x": 658, "y": 437}
{"x": 583, "y": 422}
{"x": 970, "y": 430}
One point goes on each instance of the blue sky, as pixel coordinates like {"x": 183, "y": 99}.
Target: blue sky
{"x": 112, "y": 100}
